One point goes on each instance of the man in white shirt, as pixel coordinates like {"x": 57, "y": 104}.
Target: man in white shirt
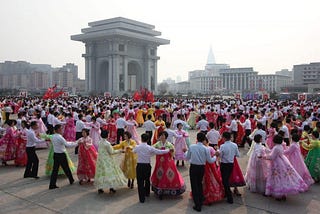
{"x": 247, "y": 127}
{"x": 143, "y": 169}
{"x": 233, "y": 127}
{"x": 228, "y": 151}
{"x": 59, "y": 157}
{"x": 80, "y": 125}
{"x": 33, "y": 160}
{"x": 203, "y": 124}
{"x": 149, "y": 126}
{"x": 213, "y": 136}
{"x": 121, "y": 124}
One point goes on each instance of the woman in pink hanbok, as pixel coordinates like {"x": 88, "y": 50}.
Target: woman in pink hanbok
{"x": 87, "y": 158}
{"x": 294, "y": 155}
{"x": 42, "y": 127}
{"x": 95, "y": 132}
{"x": 132, "y": 128}
{"x": 180, "y": 144}
{"x": 282, "y": 178}
{"x": 272, "y": 131}
{"x": 8, "y": 143}
{"x": 257, "y": 168}
{"x": 21, "y": 155}
{"x": 70, "y": 129}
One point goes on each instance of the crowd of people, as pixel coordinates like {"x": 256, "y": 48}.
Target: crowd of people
{"x": 283, "y": 140}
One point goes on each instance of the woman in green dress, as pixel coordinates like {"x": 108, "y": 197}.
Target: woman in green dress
{"x": 313, "y": 158}
{"x": 108, "y": 173}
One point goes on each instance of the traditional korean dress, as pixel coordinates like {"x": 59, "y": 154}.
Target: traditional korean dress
{"x": 257, "y": 170}
{"x": 8, "y": 145}
{"x": 132, "y": 128}
{"x": 212, "y": 182}
{"x": 108, "y": 173}
{"x": 161, "y": 125}
{"x": 95, "y": 133}
{"x": 129, "y": 162}
{"x": 70, "y": 130}
{"x": 282, "y": 178}
{"x": 21, "y": 155}
{"x": 166, "y": 179}
{"x": 180, "y": 144}
{"x": 87, "y": 158}
{"x": 313, "y": 158}
{"x": 294, "y": 156}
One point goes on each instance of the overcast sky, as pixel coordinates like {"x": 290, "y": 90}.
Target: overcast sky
{"x": 266, "y": 35}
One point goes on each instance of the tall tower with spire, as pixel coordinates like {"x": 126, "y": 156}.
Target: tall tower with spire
{"x": 211, "y": 59}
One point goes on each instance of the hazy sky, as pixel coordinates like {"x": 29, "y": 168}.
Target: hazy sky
{"x": 266, "y": 35}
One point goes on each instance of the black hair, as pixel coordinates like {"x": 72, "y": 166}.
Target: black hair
{"x": 257, "y": 138}
{"x": 104, "y": 134}
{"x": 201, "y": 137}
{"x": 226, "y": 135}
{"x": 295, "y": 137}
{"x": 145, "y": 137}
{"x": 277, "y": 139}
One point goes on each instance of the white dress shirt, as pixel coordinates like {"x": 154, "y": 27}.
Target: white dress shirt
{"x": 59, "y": 143}
{"x": 228, "y": 151}
{"x": 121, "y": 123}
{"x": 145, "y": 152}
{"x": 213, "y": 136}
{"x": 32, "y": 140}
{"x": 149, "y": 125}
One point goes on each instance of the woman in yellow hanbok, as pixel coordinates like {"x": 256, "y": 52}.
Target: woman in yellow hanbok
{"x": 150, "y": 111}
{"x": 139, "y": 117}
{"x": 128, "y": 164}
{"x": 161, "y": 125}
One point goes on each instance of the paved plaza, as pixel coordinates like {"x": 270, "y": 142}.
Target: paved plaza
{"x": 18, "y": 195}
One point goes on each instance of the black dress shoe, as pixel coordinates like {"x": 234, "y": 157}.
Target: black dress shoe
{"x": 129, "y": 183}
{"x": 230, "y": 201}
{"x": 53, "y": 187}
{"x": 112, "y": 190}
{"x": 100, "y": 191}
{"x": 71, "y": 182}
{"x": 36, "y": 177}
{"x": 198, "y": 209}
{"x": 27, "y": 176}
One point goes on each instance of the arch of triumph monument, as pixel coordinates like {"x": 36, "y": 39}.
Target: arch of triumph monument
{"x": 120, "y": 55}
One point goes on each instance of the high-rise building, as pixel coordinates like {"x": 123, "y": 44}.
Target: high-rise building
{"x": 305, "y": 74}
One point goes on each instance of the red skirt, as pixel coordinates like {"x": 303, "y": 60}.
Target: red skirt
{"x": 166, "y": 179}
{"x": 86, "y": 162}
{"x": 236, "y": 178}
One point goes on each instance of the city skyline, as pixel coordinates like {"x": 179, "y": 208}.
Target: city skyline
{"x": 268, "y": 36}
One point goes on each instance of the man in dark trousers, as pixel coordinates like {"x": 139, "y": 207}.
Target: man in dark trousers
{"x": 228, "y": 151}
{"x": 59, "y": 157}
{"x": 33, "y": 160}
{"x": 143, "y": 168}
{"x": 197, "y": 155}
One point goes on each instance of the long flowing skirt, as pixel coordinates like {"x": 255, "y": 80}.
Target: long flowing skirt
{"x": 128, "y": 165}
{"x": 313, "y": 163}
{"x": 283, "y": 179}
{"x": 166, "y": 179}
{"x": 212, "y": 184}
{"x": 108, "y": 173}
{"x": 236, "y": 178}
{"x": 7, "y": 148}
{"x": 86, "y": 162}
{"x": 49, "y": 164}
{"x": 257, "y": 174}
{"x": 21, "y": 154}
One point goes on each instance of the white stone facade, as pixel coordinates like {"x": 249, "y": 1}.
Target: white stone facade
{"x": 121, "y": 55}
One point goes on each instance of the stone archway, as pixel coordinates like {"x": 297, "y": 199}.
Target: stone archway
{"x": 134, "y": 79}
{"x": 103, "y": 77}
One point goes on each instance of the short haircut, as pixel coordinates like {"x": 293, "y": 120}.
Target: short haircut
{"x": 104, "y": 133}
{"x": 201, "y": 137}
{"x": 164, "y": 133}
{"x": 57, "y": 127}
{"x": 86, "y": 130}
{"x": 277, "y": 139}
{"x": 295, "y": 137}
{"x": 226, "y": 135}
{"x": 257, "y": 138}
{"x": 128, "y": 134}
{"x": 145, "y": 137}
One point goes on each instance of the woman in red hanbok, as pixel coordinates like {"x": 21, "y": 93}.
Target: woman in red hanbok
{"x": 212, "y": 181}
{"x": 161, "y": 125}
{"x": 70, "y": 129}
{"x": 166, "y": 179}
{"x": 21, "y": 155}
{"x": 112, "y": 129}
{"x": 86, "y": 159}
{"x": 8, "y": 143}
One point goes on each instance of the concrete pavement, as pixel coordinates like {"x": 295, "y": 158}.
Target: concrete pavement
{"x": 18, "y": 195}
